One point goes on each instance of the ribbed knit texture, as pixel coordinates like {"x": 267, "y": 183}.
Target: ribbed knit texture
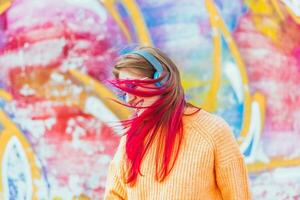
{"x": 210, "y": 166}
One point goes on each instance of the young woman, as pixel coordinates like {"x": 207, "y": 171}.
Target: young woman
{"x": 171, "y": 149}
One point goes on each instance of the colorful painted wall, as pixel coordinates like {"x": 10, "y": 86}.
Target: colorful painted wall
{"x": 238, "y": 59}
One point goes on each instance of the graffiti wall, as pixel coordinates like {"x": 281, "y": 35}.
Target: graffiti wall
{"x": 239, "y": 59}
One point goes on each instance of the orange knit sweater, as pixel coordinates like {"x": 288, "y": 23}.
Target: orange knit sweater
{"x": 209, "y": 166}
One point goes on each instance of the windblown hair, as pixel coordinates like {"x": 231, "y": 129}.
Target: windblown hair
{"x": 161, "y": 120}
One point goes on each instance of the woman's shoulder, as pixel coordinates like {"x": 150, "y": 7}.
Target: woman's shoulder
{"x": 202, "y": 118}
{"x": 206, "y": 123}
{"x": 120, "y": 151}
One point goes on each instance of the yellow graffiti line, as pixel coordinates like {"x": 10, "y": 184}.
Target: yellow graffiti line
{"x": 5, "y": 95}
{"x": 260, "y": 100}
{"x": 277, "y": 9}
{"x": 10, "y": 131}
{"x": 81, "y": 197}
{"x": 192, "y": 82}
{"x": 274, "y": 163}
{"x": 138, "y": 21}
{"x": 260, "y": 6}
{"x": 103, "y": 93}
{"x": 110, "y": 6}
{"x": 219, "y": 24}
{"x": 4, "y": 5}
{"x": 57, "y": 198}
{"x": 210, "y": 102}
{"x": 276, "y": 5}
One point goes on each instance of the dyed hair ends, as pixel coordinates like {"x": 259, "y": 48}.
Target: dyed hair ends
{"x": 161, "y": 121}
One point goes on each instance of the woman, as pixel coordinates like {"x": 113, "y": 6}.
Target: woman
{"x": 171, "y": 149}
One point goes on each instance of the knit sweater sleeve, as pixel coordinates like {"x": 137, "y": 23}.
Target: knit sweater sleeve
{"x": 231, "y": 172}
{"x": 115, "y": 186}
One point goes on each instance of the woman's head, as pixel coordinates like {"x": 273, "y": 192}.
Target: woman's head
{"x": 161, "y": 99}
{"x": 161, "y": 76}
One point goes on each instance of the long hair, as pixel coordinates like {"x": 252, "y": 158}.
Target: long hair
{"x": 162, "y": 119}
